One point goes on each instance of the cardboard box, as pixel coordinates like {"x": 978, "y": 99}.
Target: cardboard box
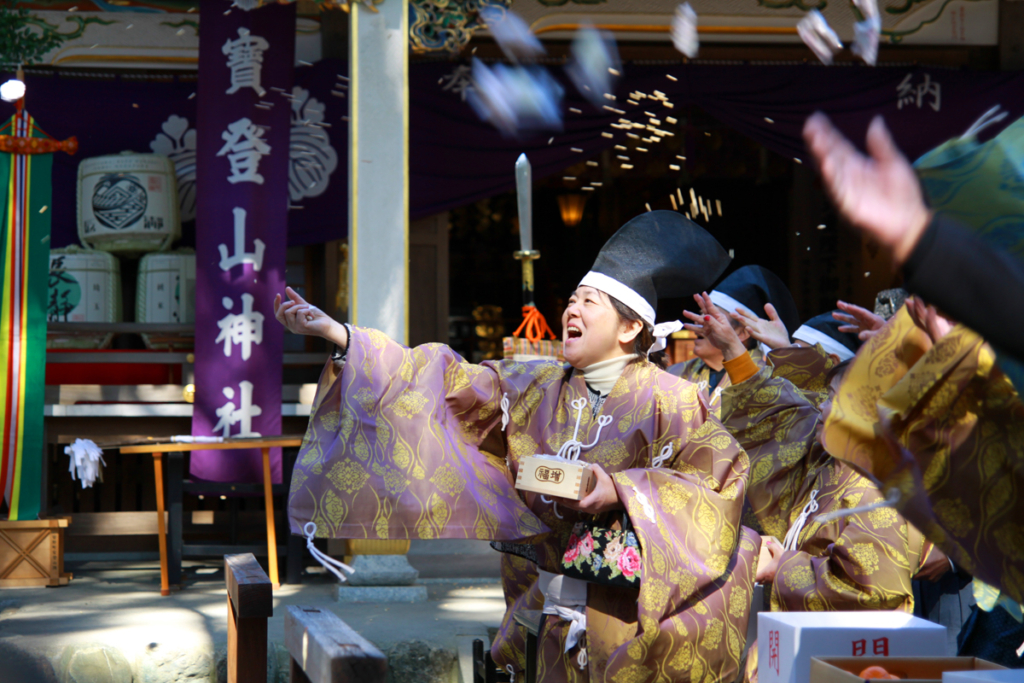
{"x": 909, "y": 669}
{"x": 786, "y": 641}
{"x": 553, "y": 476}
{"x": 990, "y": 674}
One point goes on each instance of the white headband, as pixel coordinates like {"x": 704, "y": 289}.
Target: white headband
{"x": 726, "y": 302}
{"x": 626, "y": 295}
{"x": 813, "y": 336}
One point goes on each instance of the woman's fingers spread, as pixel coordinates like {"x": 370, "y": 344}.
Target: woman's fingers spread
{"x": 698, "y": 329}
{"x": 693, "y": 316}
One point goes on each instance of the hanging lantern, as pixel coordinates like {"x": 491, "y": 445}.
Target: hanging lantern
{"x": 571, "y": 208}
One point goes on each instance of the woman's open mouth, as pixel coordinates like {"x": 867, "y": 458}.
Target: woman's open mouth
{"x": 572, "y": 332}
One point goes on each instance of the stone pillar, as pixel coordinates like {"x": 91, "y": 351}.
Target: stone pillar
{"x": 379, "y": 167}
{"x": 378, "y": 237}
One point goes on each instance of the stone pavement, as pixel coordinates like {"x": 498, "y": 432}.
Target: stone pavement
{"x": 110, "y": 624}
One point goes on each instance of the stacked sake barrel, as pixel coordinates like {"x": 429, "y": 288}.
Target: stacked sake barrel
{"x": 127, "y": 208}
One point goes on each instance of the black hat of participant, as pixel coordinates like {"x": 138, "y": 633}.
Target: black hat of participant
{"x": 658, "y": 253}
{"x": 752, "y": 287}
{"x": 824, "y": 329}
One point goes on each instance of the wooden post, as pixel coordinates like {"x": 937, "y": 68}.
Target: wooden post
{"x": 250, "y": 604}
{"x": 268, "y": 497}
{"x": 158, "y": 474}
{"x": 324, "y": 649}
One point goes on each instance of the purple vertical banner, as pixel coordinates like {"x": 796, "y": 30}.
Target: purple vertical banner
{"x": 243, "y": 118}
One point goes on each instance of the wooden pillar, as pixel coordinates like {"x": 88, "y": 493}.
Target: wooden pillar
{"x": 379, "y": 167}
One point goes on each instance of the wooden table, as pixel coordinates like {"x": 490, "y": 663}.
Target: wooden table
{"x": 264, "y": 443}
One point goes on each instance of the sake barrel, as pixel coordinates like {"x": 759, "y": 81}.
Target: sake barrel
{"x": 84, "y": 287}
{"x": 128, "y": 203}
{"x": 166, "y": 293}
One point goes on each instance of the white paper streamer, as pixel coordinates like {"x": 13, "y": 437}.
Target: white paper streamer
{"x": 684, "y": 30}
{"x": 819, "y": 36}
{"x": 86, "y": 458}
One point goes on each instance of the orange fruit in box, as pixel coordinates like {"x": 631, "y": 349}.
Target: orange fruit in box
{"x": 877, "y": 672}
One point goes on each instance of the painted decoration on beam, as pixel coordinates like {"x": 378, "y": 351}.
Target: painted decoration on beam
{"x": 242, "y": 172}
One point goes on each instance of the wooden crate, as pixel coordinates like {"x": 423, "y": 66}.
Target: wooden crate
{"x": 32, "y": 553}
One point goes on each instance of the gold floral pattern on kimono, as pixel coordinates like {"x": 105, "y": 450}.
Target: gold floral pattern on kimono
{"x": 959, "y": 426}
{"x": 863, "y": 561}
{"x": 697, "y": 371}
{"x": 425, "y": 410}
{"x": 806, "y": 368}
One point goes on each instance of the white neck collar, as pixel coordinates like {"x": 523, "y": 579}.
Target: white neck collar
{"x": 602, "y": 376}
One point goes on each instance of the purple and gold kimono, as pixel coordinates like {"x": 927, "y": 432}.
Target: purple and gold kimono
{"x": 397, "y": 448}
{"x": 697, "y": 371}
{"x": 863, "y": 561}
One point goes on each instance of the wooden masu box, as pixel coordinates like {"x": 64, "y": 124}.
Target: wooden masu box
{"x": 555, "y": 477}
{"x": 32, "y": 553}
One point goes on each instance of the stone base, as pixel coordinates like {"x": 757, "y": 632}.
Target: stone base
{"x": 382, "y": 570}
{"x": 348, "y": 593}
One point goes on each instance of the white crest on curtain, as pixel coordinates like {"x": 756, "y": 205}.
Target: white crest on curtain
{"x": 178, "y": 142}
{"x": 312, "y": 159}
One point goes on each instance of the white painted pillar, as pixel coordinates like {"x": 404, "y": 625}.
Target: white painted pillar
{"x": 379, "y": 168}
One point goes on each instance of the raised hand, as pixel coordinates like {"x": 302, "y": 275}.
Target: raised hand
{"x": 714, "y": 326}
{"x": 299, "y": 317}
{"x": 880, "y": 193}
{"x": 858, "y": 321}
{"x": 929, "y": 319}
{"x": 772, "y": 332}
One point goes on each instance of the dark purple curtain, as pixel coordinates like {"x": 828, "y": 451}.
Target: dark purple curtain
{"x": 456, "y": 159}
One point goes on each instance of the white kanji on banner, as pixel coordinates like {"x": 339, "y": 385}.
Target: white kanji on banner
{"x": 244, "y": 329}
{"x": 254, "y": 258}
{"x": 244, "y": 147}
{"x": 229, "y": 415}
{"x": 245, "y": 59}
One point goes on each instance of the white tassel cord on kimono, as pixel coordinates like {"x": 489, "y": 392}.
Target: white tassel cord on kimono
{"x": 329, "y": 563}
{"x": 571, "y": 449}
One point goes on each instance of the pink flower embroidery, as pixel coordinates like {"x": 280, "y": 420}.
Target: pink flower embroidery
{"x": 629, "y": 562}
{"x": 587, "y": 545}
{"x": 572, "y": 551}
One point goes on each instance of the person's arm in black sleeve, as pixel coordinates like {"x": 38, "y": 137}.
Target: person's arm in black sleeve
{"x": 970, "y": 281}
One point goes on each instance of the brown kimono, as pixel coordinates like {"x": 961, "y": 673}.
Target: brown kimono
{"x": 697, "y": 371}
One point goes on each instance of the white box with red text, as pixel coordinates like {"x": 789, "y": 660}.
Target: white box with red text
{"x": 786, "y": 641}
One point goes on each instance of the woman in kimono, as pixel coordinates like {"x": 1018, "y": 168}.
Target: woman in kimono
{"x": 862, "y": 560}
{"x": 749, "y": 288}
{"x": 399, "y": 444}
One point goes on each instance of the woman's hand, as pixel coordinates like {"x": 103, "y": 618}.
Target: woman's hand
{"x": 880, "y": 193}
{"x": 928, "y": 319}
{"x": 299, "y": 317}
{"x": 714, "y": 326}
{"x": 604, "y": 497}
{"x": 771, "y": 332}
{"x": 768, "y": 561}
{"x": 858, "y": 321}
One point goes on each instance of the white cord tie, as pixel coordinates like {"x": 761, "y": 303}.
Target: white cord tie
{"x": 661, "y": 333}
{"x": 553, "y": 504}
{"x": 892, "y": 497}
{"x": 511, "y": 672}
{"x": 666, "y": 453}
{"x": 329, "y": 563}
{"x": 504, "y": 411}
{"x": 572, "y": 448}
{"x": 577, "y": 627}
{"x": 581, "y": 658}
{"x": 793, "y": 535}
{"x": 987, "y": 119}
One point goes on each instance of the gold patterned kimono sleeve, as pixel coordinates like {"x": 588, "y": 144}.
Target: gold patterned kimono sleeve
{"x": 392, "y": 450}
{"x": 807, "y": 369}
{"x": 946, "y": 428}
{"x": 859, "y": 562}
